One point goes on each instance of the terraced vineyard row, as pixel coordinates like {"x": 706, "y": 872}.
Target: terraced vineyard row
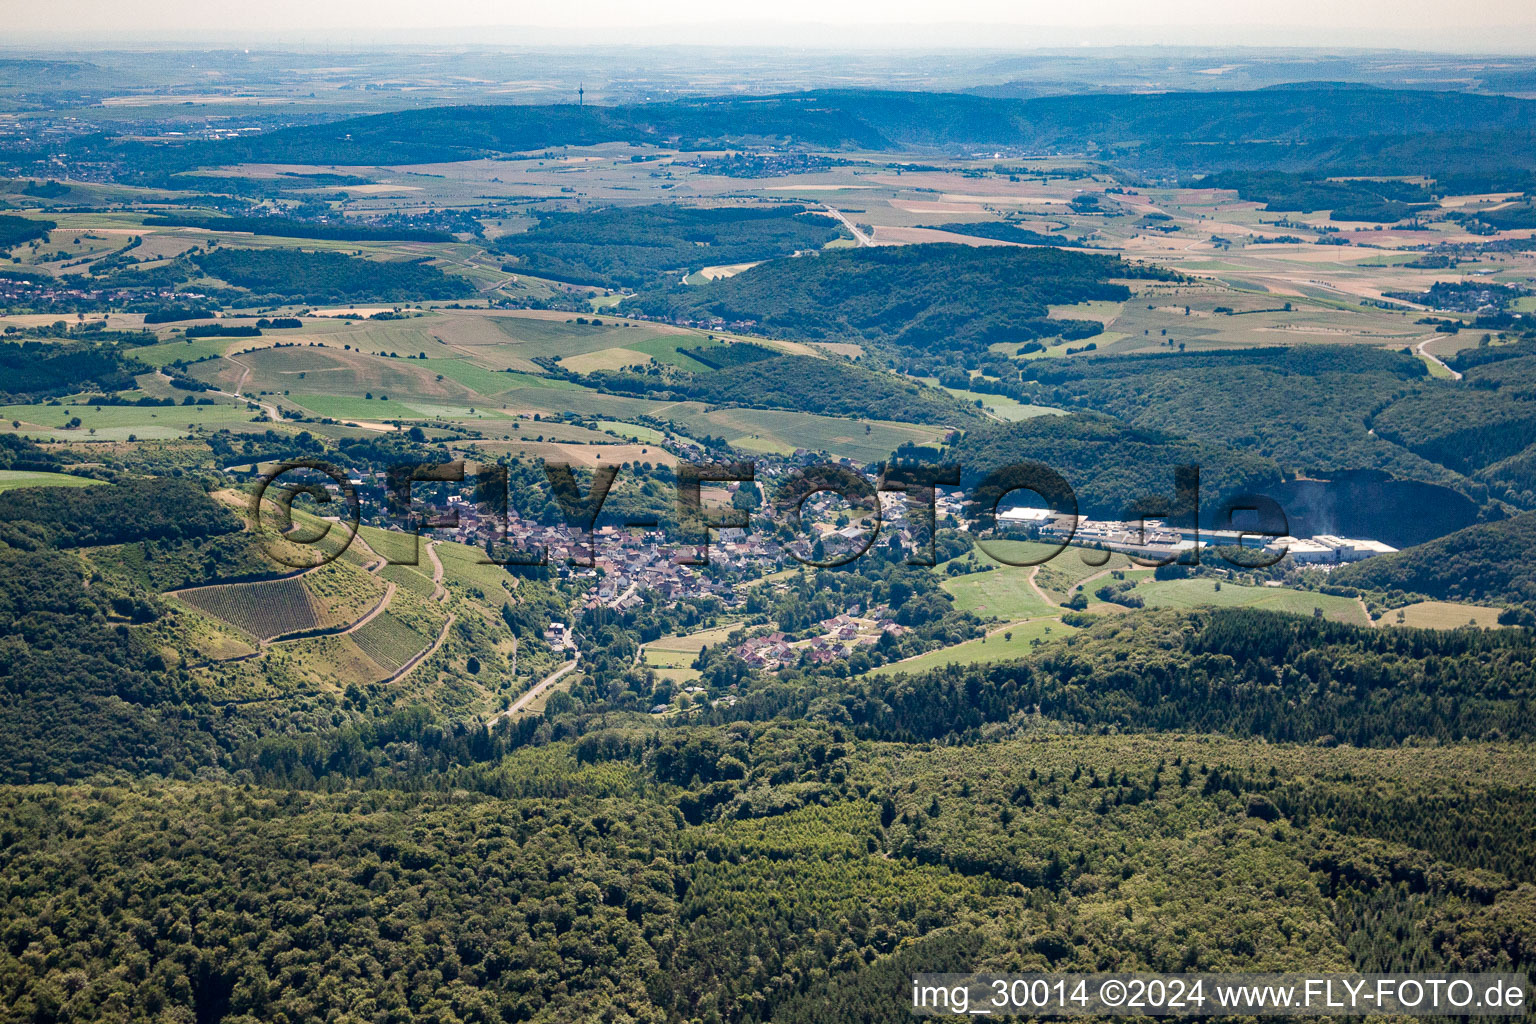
{"x": 409, "y": 578}
{"x": 265, "y": 609}
{"x": 389, "y": 641}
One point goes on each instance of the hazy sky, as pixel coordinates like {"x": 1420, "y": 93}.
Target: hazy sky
{"x": 1497, "y": 25}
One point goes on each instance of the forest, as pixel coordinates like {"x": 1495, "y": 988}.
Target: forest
{"x": 290, "y": 227}
{"x": 1308, "y": 408}
{"x": 937, "y": 301}
{"x": 1486, "y": 562}
{"x": 37, "y": 370}
{"x": 790, "y": 863}
{"x": 15, "y": 230}
{"x": 1111, "y": 466}
{"x": 1003, "y": 232}
{"x": 297, "y": 275}
{"x": 632, "y": 247}
{"x": 1384, "y": 201}
{"x": 829, "y": 387}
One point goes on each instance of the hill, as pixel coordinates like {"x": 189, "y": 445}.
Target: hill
{"x": 1313, "y": 125}
{"x": 831, "y": 387}
{"x": 630, "y": 246}
{"x": 938, "y": 301}
{"x": 1487, "y": 562}
{"x": 1109, "y": 464}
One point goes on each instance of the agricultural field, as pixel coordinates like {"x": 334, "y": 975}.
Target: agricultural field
{"x": 396, "y": 547}
{"x": 1441, "y": 615}
{"x": 185, "y": 350}
{"x": 467, "y": 567}
{"x": 322, "y": 664}
{"x": 411, "y": 578}
{"x": 44, "y": 422}
{"x": 389, "y": 641}
{"x": 1069, "y": 570}
{"x": 672, "y": 657}
{"x": 1002, "y": 407}
{"x": 770, "y": 431}
{"x": 1017, "y": 640}
{"x": 1204, "y": 593}
{"x": 649, "y": 435}
{"x": 265, "y": 609}
{"x": 11, "y": 479}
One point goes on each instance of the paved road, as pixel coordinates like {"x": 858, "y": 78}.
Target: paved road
{"x": 537, "y": 688}
{"x": 858, "y": 235}
{"x": 1419, "y": 348}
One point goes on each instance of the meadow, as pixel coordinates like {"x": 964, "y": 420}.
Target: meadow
{"x": 1003, "y": 593}
{"x": 1017, "y": 640}
{"x": 119, "y": 422}
{"x": 11, "y": 479}
{"x": 1204, "y": 593}
{"x": 1441, "y": 615}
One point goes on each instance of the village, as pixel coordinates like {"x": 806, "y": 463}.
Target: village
{"x": 620, "y": 567}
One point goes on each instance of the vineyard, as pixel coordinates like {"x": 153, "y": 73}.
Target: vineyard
{"x": 342, "y": 594}
{"x": 409, "y": 578}
{"x": 266, "y": 609}
{"x": 389, "y": 641}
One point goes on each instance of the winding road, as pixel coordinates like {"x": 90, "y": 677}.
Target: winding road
{"x": 1420, "y": 349}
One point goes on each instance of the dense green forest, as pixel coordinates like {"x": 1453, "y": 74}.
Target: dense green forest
{"x": 1487, "y": 562}
{"x": 31, "y": 371}
{"x": 15, "y": 230}
{"x": 33, "y": 518}
{"x": 930, "y": 302}
{"x": 831, "y": 387}
{"x": 793, "y": 864}
{"x": 289, "y": 227}
{"x": 631, "y": 247}
{"x": 1356, "y": 200}
{"x": 295, "y": 274}
{"x": 1109, "y": 464}
{"x": 1003, "y": 232}
{"x": 1305, "y": 407}
{"x": 1483, "y": 427}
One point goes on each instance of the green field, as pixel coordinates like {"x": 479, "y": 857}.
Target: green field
{"x": 172, "y": 349}
{"x": 1025, "y": 638}
{"x": 1003, "y": 407}
{"x": 117, "y": 422}
{"x": 349, "y": 407}
{"x": 416, "y": 579}
{"x": 11, "y": 479}
{"x": 998, "y": 594}
{"x": 395, "y": 547}
{"x": 475, "y": 377}
{"x": 1441, "y": 615}
{"x": 1202, "y": 593}
{"x": 526, "y": 338}
{"x": 389, "y": 641}
{"x": 1064, "y": 572}
{"x": 467, "y": 565}
{"x": 264, "y": 610}
{"x": 772, "y": 430}
{"x": 646, "y": 435}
